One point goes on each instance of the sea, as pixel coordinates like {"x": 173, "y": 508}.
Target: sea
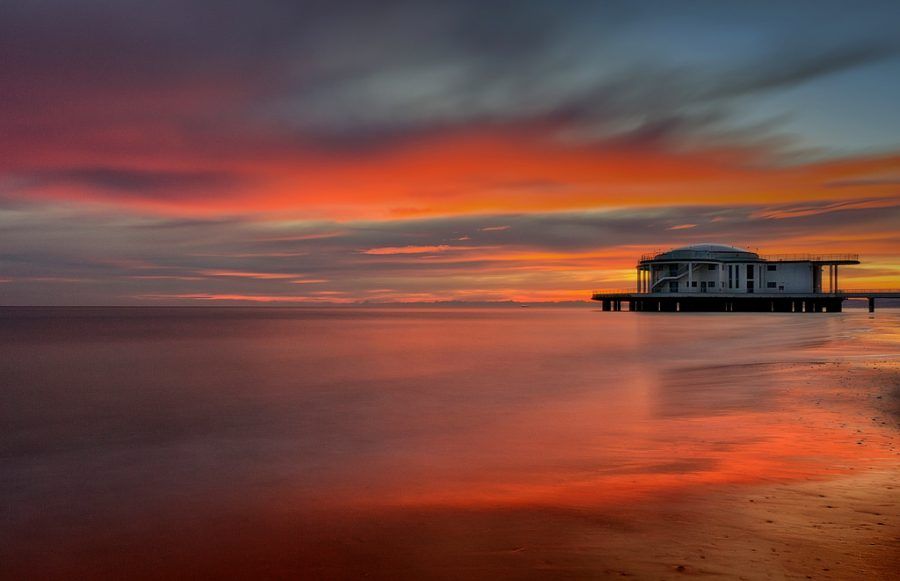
{"x": 319, "y": 442}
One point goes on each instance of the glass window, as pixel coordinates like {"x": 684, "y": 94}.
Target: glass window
{"x": 771, "y": 267}
{"x": 712, "y": 267}
{"x": 770, "y": 284}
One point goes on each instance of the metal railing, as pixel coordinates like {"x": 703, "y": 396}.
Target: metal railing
{"x": 770, "y": 257}
{"x": 843, "y": 291}
{"x": 613, "y": 291}
{"x": 651, "y": 255}
{"x": 711, "y": 254}
{"x": 868, "y": 290}
{"x": 810, "y": 257}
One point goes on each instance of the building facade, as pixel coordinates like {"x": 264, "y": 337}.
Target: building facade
{"x": 720, "y": 278}
{"x": 721, "y": 269}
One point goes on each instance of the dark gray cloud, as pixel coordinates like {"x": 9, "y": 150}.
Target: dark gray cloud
{"x": 157, "y": 184}
{"x": 792, "y": 65}
{"x": 240, "y": 76}
{"x": 887, "y": 181}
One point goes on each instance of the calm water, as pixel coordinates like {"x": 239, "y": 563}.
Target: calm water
{"x": 128, "y": 434}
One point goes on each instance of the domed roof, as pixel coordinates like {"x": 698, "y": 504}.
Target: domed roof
{"x": 712, "y": 248}
{"x": 707, "y": 251}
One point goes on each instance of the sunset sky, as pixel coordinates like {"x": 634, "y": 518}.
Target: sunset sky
{"x": 284, "y": 152}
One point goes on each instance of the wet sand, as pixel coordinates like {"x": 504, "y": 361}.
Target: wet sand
{"x": 842, "y": 523}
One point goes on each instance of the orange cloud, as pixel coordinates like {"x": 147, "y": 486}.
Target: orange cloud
{"x": 258, "y": 275}
{"x": 482, "y": 171}
{"x": 417, "y": 249}
{"x": 241, "y": 298}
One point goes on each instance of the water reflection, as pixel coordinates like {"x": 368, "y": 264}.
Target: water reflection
{"x": 119, "y": 421}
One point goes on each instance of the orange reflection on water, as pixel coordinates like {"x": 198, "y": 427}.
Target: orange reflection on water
{"x": 240, "y": 428}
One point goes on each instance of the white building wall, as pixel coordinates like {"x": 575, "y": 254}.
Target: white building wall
{"x": 791, "y": 277}
{"x": 785, "y": 277}
{"x": 705, "y": 275}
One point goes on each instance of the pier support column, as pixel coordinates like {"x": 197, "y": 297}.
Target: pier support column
{"x": 606, "y": 304}
{"x": 871, "y": 304}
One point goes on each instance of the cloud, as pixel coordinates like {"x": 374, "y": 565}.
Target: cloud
{"x": 863, "y": 182}
{"x": 239, "y": 298}
{"x": 158, "y": 184}
{"x": 811, "y": 209}
{"x": 256, "y": 275}
{"x": 416, "y": 249}
{"x": 791, "y": 65}
{"x": 163, "y": 85}
{"x": 93, "y": 257}
{"x": 401, "y": 149}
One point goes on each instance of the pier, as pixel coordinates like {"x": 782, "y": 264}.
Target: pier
{"x": 722, "y": 278}
{"x": 615, "y": 300}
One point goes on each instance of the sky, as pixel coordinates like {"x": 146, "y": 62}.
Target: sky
{"x": 198, "y": 152}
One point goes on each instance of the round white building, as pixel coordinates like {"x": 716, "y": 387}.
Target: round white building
{"x": 718, "y": 277}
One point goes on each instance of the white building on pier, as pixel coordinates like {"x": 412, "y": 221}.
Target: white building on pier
{"x": 721, "y": 269}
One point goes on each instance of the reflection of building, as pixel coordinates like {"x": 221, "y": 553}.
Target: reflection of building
{"x": 715, "y": 277}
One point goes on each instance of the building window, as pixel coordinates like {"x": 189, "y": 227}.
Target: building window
{"x": 694, "y": 283}
{"x": 771, "y": 267}
{"x": 712, "y": 267}
{"x": 770, "y": 284}
{"x": 749, "y": 271}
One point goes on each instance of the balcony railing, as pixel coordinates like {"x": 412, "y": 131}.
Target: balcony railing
{"x": 859, "y": 291}
{"x": 651, "y": 255}
{"x": 770, "y": 257}
{"x": 810, "y": 257}
{"x": 613, "y": 291}
{"x": 725, "y": 291}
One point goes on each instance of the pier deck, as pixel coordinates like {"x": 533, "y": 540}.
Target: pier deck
{"x": 739, "y": 302}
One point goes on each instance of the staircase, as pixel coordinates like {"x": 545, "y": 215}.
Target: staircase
{"x": 678, "y": 275}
